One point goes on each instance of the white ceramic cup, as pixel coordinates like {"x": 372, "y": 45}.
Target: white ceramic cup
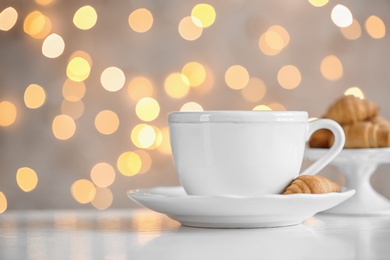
{"x": 244, "y": 152}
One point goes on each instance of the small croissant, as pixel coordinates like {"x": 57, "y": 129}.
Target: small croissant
{"x": 315, "y": 184}
{"x": 349, "y": 109}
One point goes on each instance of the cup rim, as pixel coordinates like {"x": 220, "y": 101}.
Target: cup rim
{"x": 237, "y": 116}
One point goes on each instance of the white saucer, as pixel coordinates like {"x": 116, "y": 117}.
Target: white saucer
{"x": 236, "y": 211}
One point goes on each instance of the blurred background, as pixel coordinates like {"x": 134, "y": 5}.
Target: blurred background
{"x": 85, "y": 86}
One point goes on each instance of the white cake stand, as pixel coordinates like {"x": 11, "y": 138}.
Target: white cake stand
{"x": 357, "y": 166}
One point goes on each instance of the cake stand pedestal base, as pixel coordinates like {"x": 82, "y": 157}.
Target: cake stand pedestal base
{"x": 357, "y": 166}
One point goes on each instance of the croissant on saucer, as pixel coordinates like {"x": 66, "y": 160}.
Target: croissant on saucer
{"x": 312, "y": 185}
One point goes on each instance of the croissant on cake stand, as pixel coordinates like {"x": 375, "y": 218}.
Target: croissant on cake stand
{"x": 362, "y": 134}
{"x": 362, "y": 124}
{"x": 367, "y": 145}
{"x": 350, "y": 109}
{"x": 366, "y": 134}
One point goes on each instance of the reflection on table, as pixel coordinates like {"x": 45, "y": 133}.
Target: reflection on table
{"x": 144, "y": 234}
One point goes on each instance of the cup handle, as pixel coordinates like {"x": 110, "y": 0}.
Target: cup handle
{"x": 338, "y": 144}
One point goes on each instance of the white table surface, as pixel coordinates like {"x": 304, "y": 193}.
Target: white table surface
{"x": 144, "y": 234}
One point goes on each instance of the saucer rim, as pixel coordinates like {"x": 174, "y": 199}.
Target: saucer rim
{"x": 146, "y": 193}
{"x": 237, "y": 212}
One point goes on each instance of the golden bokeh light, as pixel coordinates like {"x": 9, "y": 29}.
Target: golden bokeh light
{"x": 265, "y": 48}
{"x": 289, "y": 77}
{"x": 355, "y": 91}
{"x": 85, "y": 17}
{"x": 103, "y": 198}
{"x": 73, "y": 109}
{"x": 78, "y": 69}
{"x": 207, "y": 84}
{"x": 8, "y": 18}
{"x": 352, "y": 32}
{"x": 262, "y": 107}
{"x": 37, "y": 25}
{"x": 146, "y": 136}
{"x": 191, "y": 106}
{"x": 140, "y": 87}
{"x": 112, "y": 79}
{"x": 26, "y": 178}
{"x": 134, "y": 135}
{"x": 3, "y": 202}
{"x": 165, "y": 146}
{"x": 47, "y": 26}
{"x": 176, "y": 85}
{"x": 147, "y": 109}
{"x": 8, "y": 113}
{"x": 236, "y": 77}
{"x": 44, "y": 2}
{"x": 83, "y": 191}
{"x": 129, "y": 163}
{"x": 146, "y": 160}
{"x": 331, "y": 68}
{"x": 53, "y": 46}
{"x": 255, "y": 90}
{"x": 277, "y": 107}
{"x": 157, "y": 140}
{"x": 73, "y": 91}
{"x": 274, "y": 40}
{"x": 34, "y": 96}
{"x": 189, "y": 30}
{"x": 33, "y": 23}
{"x": 106, "y": 122}
{"x": 195, "y": 73}
{"x": 63, "y": 127}
{"x": 282, "y": 33}
{"x": 203, "y": 15}
{"x": 318, "y": 3}
{"x": 103, "y": 174}
{"x": 341, "y": 16}
{"x": 141, "y": 20}
{"x": 82, "y": 54}
{"x": 375, "y": 27}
